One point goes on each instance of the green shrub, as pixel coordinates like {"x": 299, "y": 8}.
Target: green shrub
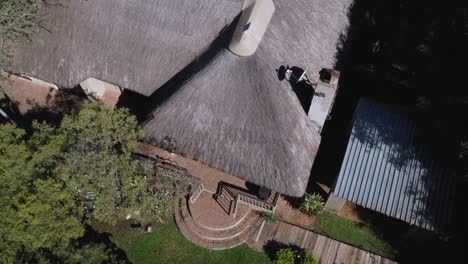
{"x": 269, "y": 217}
{"x": 312, "y": 204}
{"x": 309, "y": 259}
{"x": 285, "y": 256}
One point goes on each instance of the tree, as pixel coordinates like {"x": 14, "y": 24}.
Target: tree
{"x": 99, "y": 166}
{"x": 46, "y": 176}
{"x": 18, "y": 21}
{"x": 37, "y": 210}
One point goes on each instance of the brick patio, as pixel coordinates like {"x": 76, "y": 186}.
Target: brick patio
{"x": 209, "y": 222}
{"x": 213, "y": 213}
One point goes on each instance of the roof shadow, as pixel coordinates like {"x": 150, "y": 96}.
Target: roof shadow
{"x": 300, "y": 84}
{"x": 144, "y": 106}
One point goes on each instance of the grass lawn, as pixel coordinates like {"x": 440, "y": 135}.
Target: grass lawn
{"x": 167, "y": 245}
{"x": 353, "y": 233}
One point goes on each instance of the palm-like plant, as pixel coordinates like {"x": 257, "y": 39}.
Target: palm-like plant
{"x": 312, "y": 204}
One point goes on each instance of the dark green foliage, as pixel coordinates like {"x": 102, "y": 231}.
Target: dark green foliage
{"x": 280, "y": 252}
{"x": 37, "y": 210}
{"x": 88, "y": 253}
{"x": 50, "y": 175}
{"x": 99, "y": 167}
{"x": 73, "y": 252}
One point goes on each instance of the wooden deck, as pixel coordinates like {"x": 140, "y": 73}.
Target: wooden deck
{"x": 325, "y": 250}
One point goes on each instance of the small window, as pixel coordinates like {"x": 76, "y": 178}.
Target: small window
{"x": 246, "y": 27}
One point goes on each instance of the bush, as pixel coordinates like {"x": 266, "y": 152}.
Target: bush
{"x": 309, "y": 259}
{"x": 312, "y": 204}
{"x": 269, "y": 217}
{"x": 285, "y": 256}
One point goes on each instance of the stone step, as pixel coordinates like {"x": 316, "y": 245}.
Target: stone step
{"x": 215, "y": 244}
{"x": 218, "y": 234}
{"x": 240, "y": 219}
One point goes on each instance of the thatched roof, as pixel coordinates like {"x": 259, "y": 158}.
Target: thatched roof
{"x": 234, "y": 114}
{"x": 229, "y": 112}
{"x": 137, "y": 44}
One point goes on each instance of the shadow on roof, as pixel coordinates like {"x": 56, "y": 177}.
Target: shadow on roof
{"x": 143, "y": 106}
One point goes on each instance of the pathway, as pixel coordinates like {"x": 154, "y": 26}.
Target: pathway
{"x": 325, "y": 250}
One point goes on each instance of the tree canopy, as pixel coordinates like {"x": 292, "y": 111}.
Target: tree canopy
{"x": 37, "y": 210}
{"x": 100, "y": 167}
{"x": 18, "y": 21}
{"x": 55, "y": 181}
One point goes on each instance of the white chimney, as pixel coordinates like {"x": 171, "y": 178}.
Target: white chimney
{"x": 254, "y": 20}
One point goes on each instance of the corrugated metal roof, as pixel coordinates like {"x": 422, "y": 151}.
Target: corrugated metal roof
{"x": 389, "y": 167}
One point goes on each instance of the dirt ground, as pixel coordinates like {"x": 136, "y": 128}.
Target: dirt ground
{"x": 26, "y": 99}
{"x": 27, "y": 94}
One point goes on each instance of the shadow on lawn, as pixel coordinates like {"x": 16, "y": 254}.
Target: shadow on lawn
{"x": 93, "y": 237}
{"x": 410, "y": 244}
{"x": 92, "y": 247}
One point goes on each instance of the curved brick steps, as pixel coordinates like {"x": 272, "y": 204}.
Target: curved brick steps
{"x": 215, "y": 239}
{"x": 220, "y": 234}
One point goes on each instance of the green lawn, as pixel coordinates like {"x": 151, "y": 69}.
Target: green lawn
{"x": 353, "y": 233}
{"x": 167, "y": 245}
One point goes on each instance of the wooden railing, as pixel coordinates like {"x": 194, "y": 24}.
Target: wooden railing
{"x": 258, "y": 204}
{"x": 196, "y": 193}
{"x": 241, "y": 196}
{"x": 255, "y": 203}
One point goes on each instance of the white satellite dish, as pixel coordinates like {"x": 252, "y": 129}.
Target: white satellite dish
{"x": 303, "y": 75}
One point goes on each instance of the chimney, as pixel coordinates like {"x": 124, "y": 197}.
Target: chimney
{"x": 254, "y": 20}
